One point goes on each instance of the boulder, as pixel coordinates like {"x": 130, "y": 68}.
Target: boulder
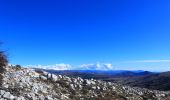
{"x": 48, "y": 98}
{"x": 45, "y": 73}
{"x": 43, "y": 77}
{"x": 20, "y": 98}
{"x": 9, "y": 96}
{"x": 54, "y": 78}
{"x": 2, "y": 92}
{"x": 49, "y": 76}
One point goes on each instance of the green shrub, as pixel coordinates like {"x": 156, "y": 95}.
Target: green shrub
{"x": 3, "y": 61}
{"x": 3, "y": 58}
{"x": 39, "y": 71}
{"x": 18, "y": 67}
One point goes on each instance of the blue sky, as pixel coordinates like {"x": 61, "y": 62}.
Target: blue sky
{"x": 130, "y": 34}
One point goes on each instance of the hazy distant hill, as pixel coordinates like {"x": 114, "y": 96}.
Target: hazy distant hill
{"x": 98, "y": 74}
{"x": 159, "y": 81}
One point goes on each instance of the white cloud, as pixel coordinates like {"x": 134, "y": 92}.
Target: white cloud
{"x": 61, "y": 66}
{"x": 97, "y": 66}
{"x": 147, "y": 61}
{"x": 149, "y": 65}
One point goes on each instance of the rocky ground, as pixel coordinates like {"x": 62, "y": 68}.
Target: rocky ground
{"x": 28, "y": 84}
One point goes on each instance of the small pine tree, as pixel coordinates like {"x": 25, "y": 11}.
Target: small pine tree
{"x": 3, "y": 61}
{"x": 18, "y": 67}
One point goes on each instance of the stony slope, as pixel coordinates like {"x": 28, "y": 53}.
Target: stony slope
{"x": 28, "y": 84}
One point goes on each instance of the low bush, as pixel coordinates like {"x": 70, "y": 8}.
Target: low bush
{"x": 39, "y": 71}
{"x": 18, "y": 67}
{"x": 3, "y": 61}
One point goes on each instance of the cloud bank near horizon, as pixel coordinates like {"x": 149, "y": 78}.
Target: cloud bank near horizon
{"x": 147, "y": 65}
{"x": 63, "y": 66}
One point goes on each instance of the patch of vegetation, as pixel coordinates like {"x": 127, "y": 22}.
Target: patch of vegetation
{"x": 39, "y": 71}
{"x": 3, "y": 63}
{"x": 18, "y": 67}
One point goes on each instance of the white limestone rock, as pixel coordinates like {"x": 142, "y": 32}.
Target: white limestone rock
{"x": 9, "y": 96}
{"x": 45, "y": 73}
{"x": 2, "y": 92}
{"x": 88, "y": 82}
{"x": 20, "y": 98}
{"x": 72, "y": 86}
{"x": 43, "y": 77}
{"x": 48, "y": 98}
{"x": 54, "y": 77}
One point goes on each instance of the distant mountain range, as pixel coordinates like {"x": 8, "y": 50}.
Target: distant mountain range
{"x": 88, "y": 74}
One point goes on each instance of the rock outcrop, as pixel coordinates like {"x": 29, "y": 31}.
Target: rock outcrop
{"x": 28, "y": 84}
